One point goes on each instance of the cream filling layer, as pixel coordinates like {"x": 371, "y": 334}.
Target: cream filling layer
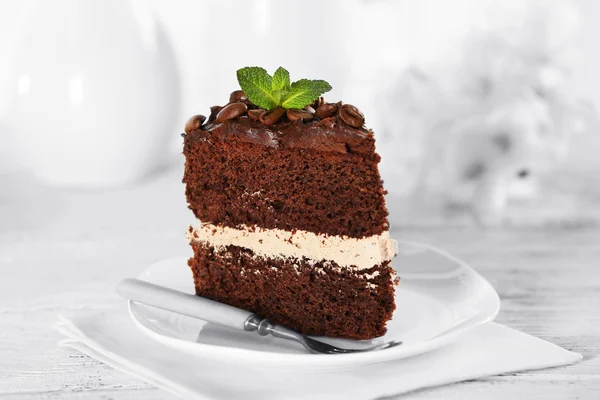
{"x": 345, "y": 251}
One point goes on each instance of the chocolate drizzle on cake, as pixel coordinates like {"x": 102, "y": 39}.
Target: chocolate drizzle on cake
{"x": 339, "y": 129}
{"x": 240, "y": 107}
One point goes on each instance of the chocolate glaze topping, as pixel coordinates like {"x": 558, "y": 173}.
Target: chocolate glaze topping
{"x": 333, "y": 133}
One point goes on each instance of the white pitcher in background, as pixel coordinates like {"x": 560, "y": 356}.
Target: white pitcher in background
{"x": 95, "y": 92}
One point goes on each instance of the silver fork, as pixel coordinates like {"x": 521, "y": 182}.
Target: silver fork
{"x": 264, "y": 327}
{"x": 208, "y": 310}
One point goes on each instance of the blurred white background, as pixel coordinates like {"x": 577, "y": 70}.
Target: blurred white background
{"x": 364, "y": 49}
{"x": 482, "y": 112}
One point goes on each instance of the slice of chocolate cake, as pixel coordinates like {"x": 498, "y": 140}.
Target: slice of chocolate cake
{"x": 293, "y": 224}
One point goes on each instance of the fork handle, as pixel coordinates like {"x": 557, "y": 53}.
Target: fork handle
{"x": 182, "y": 303}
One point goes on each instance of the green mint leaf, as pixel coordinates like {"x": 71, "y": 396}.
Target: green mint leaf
{"x": 281, "y": 80}
{"x": 271, "y": 92}
{"x": 304, "y": 92}
{"x": 257, "y": 85}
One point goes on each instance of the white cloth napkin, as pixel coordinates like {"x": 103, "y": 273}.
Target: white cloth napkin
{"x": 491, "y": 349}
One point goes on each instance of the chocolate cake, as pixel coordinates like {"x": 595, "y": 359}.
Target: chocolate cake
{"x": 293, "y": 223}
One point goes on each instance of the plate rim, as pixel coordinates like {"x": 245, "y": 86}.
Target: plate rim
{"x": 298, "y": 360}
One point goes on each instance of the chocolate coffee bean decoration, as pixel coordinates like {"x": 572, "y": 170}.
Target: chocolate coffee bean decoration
{"x": 194, "y": 123}
{"x": 238, "y": 97}
{"x": 294, "y": 115}
{"x": 231, "y": 111}
{"x": 326, "y": 111}
{"x": 272, "y": 116}
{"x": 352, "y": 116}
{"x": 254, "y": 115}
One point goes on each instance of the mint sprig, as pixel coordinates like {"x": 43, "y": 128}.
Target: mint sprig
{"x": 270, "y": 92}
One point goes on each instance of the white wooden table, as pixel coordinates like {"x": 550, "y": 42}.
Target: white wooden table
{"x": 64, "y": 250}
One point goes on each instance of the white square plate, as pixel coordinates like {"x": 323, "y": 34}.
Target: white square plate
{"x": 438, "y": 299}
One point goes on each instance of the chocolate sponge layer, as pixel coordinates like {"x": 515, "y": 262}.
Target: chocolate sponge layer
{"x": 322, "y": 180}
{"x": 312, "y": 298}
